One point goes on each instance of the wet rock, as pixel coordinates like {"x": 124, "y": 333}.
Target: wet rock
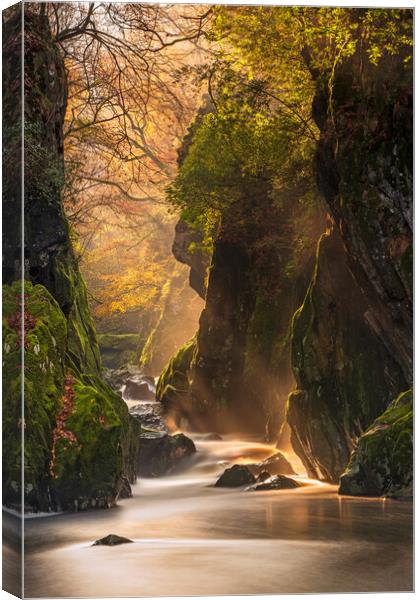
{"x": 117, "y": 377}
{"x": 149, "y": 415}
{"x": 212, "y": 437}
{"x": 263, "y": 476}
{"x": 275, "y": 465}
{"x": 236, "y": 476}
{"x": 138, "y": 390}
{"x": 278, "y": 482}
{"x": 112, "y": 540}
{"x": 161, "y": 453}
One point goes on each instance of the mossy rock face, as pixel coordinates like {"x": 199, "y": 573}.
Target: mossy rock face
{"x": 345, "y": 375}
{"x": 80, "y": 442}
{"x": 44, "y": 349}
{"x": 88, "y": 467}
{"x": 364, "y": 167}
{"x": 118, "y": 350}
{"x": 382, "y": 463}
{"x": 173, "y": 387}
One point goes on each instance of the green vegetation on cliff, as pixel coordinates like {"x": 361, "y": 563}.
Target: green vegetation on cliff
{"x": 382, "y": 463}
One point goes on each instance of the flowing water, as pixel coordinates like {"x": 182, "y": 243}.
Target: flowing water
{"x": 191, "y": 538}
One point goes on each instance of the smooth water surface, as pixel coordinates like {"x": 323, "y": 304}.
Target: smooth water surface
{"x": 191, "y": 538}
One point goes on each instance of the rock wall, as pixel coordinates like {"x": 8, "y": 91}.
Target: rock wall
{"x": 352, "y": 338}
{"x": 177, "y": 323}
{"x": 345, "y": 376}
{"x": 81, "y": 443}
{"x": 240, "y": 373}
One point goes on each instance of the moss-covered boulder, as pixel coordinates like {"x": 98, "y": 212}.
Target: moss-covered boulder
{"x": 80, "y": 442}
{"x": 382, "y": 463}
{"x": 173, "y": 387}
{"x": 345, "y": 375}
{"x": 118, "y": 350}
{"x": 44, "y": 348}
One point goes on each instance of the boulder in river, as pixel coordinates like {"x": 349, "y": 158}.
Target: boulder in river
{"x": 278, "y": 482}
{"x": 161, "y": 453}
{"x": 149, "y": 414}
{"x": 138, "y": 390}
{"x": 263, "y": 476}
{"x": 275, "y": 465}
{"x": 236, "y": 476}
{"x": 112, "y": 540}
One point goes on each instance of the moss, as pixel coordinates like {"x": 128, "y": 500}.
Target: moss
{"x": 345, "y": 376}
{"x": 382, "y": 463}
{"x": 45, "y": 343}
{"x": 118, "y": 349}
{"x": 172, "y": 389}
{"x": 87, "y": 472}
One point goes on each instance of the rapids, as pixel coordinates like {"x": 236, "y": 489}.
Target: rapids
{"x": 191, "y": 538}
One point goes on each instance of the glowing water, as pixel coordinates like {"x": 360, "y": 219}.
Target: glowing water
{"x": 191, "y": 538}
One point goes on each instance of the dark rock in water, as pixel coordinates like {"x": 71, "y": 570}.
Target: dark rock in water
{"x": 112, "y": 540}
{"x": 275, "y": 465}
{"x": 138, "y": 390}
{"x": 212, "y": 437}
{"x": 161, "y": 453}
{"x": 236, "y": 476}
{"x": 278, "y": 482}
{"x": 263, "y": 476}
{"x": 149, "y": 415}
{"x": 149, "y": 379}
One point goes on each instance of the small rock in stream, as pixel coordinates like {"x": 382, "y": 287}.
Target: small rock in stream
{"x": 236, "y": 476}
{"x": 275, "y": 465}
{"x": 212, "y": 437}
{"x": 263, "y": 476}
{"x": 112, "y": 540}
{"x": 278, "y": 482}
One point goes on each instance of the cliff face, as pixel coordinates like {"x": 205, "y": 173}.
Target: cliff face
{"x": 345, "y": 376}
{"x": 352, "y": 338}
{"x": 177, "y": 323}
{"x": 365, "y": 172}
{"x": 80, "y": 442}
{"x": 240, "y": 371}
{"x": 198, "y": 261}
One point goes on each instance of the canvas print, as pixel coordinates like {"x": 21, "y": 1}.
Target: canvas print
{"x": 207, "y": 299}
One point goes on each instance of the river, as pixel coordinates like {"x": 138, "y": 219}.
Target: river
{"x": 191, "y": 538}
